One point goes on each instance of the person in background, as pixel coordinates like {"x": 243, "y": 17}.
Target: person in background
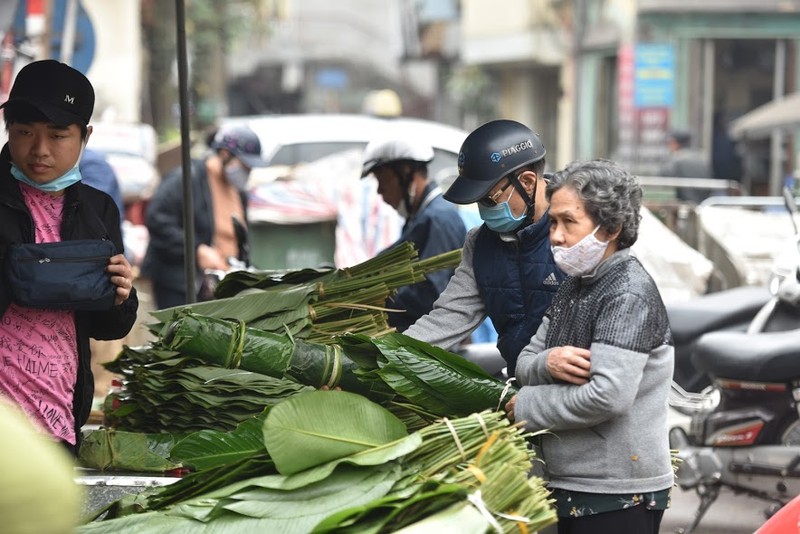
{"x": 686, "y": 162}
{"x": 98, "y": 173}
{"x": 432, "y": 224}
{"x": 597, "y": 374}
{"x": 726, "y": 162}
{"x": 219, "y": 196}
{"x": 507, "y": 270}
{"x": 44, "y": 353}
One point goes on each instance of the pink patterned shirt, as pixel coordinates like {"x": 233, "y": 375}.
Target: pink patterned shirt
{"x": 38, "y": 348}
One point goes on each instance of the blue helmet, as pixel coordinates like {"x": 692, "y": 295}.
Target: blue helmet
{"x": 488, "y": 154}
{"x": 242, "y": 142}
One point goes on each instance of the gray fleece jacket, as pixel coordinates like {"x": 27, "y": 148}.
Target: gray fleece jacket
{"x": 458, "y": 310}
{"x": 609, "y": 435}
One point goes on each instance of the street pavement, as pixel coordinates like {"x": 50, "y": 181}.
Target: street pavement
{"x": 730, "y": 514}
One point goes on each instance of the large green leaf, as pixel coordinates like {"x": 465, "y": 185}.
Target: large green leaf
{"x": 296, "y": 509}
{"x": 396, "y": 341}
{"x": 209, "y": 448}
{"x": 313, "y": 428}
{"x": 147, "y": 523}
{"x": 440, "y": 382}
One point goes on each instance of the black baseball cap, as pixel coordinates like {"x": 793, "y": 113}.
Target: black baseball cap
{"x": 61, "y": 93}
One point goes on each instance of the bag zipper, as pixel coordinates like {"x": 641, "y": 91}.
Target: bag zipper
{"x": 65, "y": 260}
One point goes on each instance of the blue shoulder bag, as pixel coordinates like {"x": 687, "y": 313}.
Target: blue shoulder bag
{"x": 66, "y": 275}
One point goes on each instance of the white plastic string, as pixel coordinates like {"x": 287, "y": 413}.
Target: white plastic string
{"x": 503, "y": 394}
{"x": 455, "y": 437}
{"x": 477, "y": 502}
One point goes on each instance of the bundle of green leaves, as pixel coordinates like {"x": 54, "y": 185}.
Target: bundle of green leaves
{"x": 166, "y": 391}
{"x": 317, "y": 304}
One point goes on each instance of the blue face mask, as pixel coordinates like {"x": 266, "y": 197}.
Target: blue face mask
{"x": 59, "y": 184}
{"x": 499, "y": 217}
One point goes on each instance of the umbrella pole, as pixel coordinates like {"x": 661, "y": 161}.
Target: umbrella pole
{"x": 188, "y": 205}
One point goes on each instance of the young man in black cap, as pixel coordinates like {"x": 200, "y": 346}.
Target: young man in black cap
{"x": 219, "y": 196}
{"x": 44, "y": 353}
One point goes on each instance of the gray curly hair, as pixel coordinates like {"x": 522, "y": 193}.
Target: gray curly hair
{"x": 611, "y": 195}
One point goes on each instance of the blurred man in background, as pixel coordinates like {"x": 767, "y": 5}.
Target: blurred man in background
{"x": 219, "y": 196}
{"x": 686, "y": 162}
{"x": 432, "y": 224}
{"x": 97, "y": 172}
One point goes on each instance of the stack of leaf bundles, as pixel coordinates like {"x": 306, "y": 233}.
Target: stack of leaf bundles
{"x": 206, "y": 372}
{"x": 317, "y": 305}
{"x": 340, "y": 463}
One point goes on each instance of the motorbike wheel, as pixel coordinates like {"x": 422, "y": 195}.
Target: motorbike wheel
{"x": 791, "y": 435}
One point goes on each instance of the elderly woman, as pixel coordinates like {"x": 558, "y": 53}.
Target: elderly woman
{"x": 597, "y": 373}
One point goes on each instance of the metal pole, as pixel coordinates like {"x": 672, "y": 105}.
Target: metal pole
{"x": 47, "y": 35}
{"x": 68, "y": 33}
{"x": 776, "y": 141}
{"x": 578, "y": 25}
{"x": 186, "y": 162}
{"x": 709, "y": 67}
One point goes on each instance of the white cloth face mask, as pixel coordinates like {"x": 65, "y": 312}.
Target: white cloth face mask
{"x": 582, "y": 257}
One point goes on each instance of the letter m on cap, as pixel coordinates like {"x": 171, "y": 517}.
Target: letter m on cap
{"x": 69, "y": 99}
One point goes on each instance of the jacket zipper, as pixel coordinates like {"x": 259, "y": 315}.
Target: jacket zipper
{"x": 22, "y": 210}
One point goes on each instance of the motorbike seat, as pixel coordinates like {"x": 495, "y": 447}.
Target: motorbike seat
{"x": 767, "y": 357}
{"x": 715, "y": 311}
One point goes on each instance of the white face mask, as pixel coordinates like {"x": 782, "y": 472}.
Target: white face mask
{"x": 237, "y": 175}
{"x": 582, "y": 257}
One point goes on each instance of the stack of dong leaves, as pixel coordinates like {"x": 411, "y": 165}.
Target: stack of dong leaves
{"x": 415, "y": 440}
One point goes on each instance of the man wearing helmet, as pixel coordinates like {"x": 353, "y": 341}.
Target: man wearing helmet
{"x": 432, "y": 224}
{"x": 507, "y": 270}
{"x": 219, "y": 197}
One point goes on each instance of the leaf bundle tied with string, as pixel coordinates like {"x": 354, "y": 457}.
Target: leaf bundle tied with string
{"x": 232, "y": 344}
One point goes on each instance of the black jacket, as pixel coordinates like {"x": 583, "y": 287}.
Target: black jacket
{"x": 164, "y": 261}
{"x": 435, "y": 229}
{"x": 78, "y": 222}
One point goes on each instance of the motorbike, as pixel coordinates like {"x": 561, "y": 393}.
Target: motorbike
{"x": 750, "y": 309}
{"x": 744, "y": 432}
